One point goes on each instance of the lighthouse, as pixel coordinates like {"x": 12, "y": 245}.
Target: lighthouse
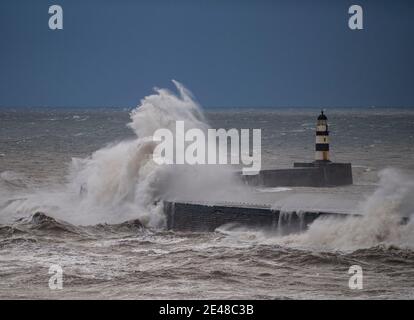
{"x": 319, "y": 173}
{"x": 322, "y": 139}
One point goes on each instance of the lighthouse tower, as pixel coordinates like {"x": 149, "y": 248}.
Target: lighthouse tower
{"x": 322, "y": 139}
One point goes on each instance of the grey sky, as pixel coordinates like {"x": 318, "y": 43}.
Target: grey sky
{"x": 228, "y": 53}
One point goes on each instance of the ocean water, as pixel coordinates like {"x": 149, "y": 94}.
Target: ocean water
{"x": 111, "y": 240}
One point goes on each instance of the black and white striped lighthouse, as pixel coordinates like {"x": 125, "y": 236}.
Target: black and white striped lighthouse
{"x": 322, "y": 139}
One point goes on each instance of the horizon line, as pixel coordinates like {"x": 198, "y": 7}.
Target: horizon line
{"x": 207, "y": 107}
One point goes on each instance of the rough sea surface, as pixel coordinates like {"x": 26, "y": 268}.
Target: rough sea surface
{"x": 112, "y": 243}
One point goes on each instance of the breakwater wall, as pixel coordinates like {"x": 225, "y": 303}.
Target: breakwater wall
{"x": 198, "y": 217}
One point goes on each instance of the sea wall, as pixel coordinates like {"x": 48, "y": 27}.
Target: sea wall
{"x": 204, "y": 217}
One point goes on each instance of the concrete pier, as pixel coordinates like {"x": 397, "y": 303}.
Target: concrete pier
{"x": 199, "y": 217}
{"x": 322, "y": 172}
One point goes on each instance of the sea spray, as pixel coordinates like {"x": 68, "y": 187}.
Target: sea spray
{"x": 122, "y": 182}
{"x": 163, "y": 109}
{"x": 386, "y": 219}
{"x": 382, "y": 220}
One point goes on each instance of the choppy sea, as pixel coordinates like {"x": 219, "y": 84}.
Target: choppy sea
{"x": 112, "y": 243}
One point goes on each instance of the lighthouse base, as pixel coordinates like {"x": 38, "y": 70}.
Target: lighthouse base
{"x": 308, "y": 174}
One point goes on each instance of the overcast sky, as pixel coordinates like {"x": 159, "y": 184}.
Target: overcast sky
{"x": 228, "y": 53}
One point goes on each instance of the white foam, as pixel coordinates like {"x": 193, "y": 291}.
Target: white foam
{"x": 380, "y": 223}
{"x": 121, "y": 181}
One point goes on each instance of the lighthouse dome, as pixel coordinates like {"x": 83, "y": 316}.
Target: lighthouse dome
{"x": 322, "y": 116}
